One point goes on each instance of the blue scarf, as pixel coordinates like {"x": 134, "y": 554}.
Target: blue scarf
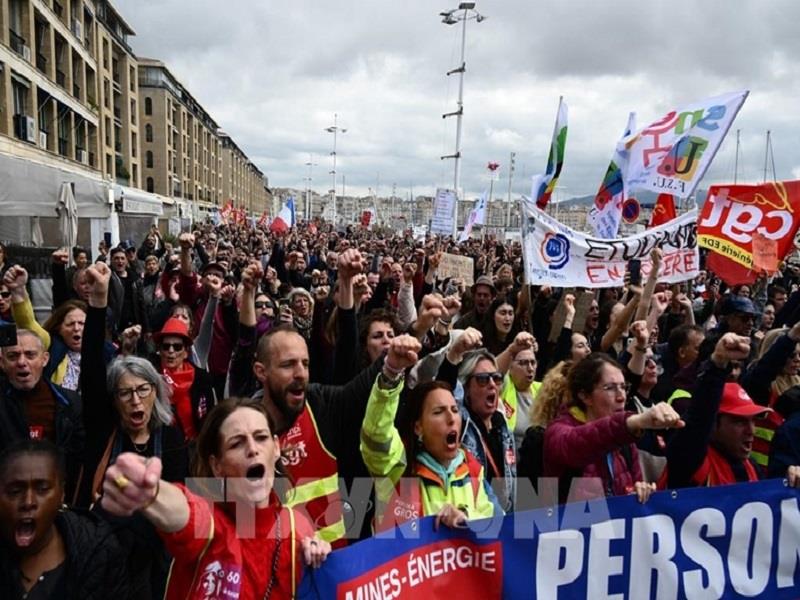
{"x": 434, "y": 465}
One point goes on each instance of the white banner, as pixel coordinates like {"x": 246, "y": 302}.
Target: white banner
{"x": 557, "y": 255}
{"x": 444, "y": 212}
{"x": 672, "y": 154}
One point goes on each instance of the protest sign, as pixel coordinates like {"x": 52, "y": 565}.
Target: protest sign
{"x": 460, "y": 267}
{"x": 559, "y": 316}
{"x": 558, "y": 255}
{"x": 728, "y": 541}
{"x": 765, "y": 254}
{"x": 444, "y": 212}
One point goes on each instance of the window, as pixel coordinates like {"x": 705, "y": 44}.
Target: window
{"x": 148, "y": 133}
{"x": 134, "y": 144}
{"x": 148, "y": 159}
{"x": 151, "y": 186}
{"x": 20, "y": 93}
{"x": 133, "y": 112}
{"x": 148, "y": 106}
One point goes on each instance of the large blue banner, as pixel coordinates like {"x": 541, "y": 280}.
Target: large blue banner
{"x": 726, "y": 542}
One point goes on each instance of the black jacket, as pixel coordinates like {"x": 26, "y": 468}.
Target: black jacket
{"x": 69, "y": 431}
{"x": 95, "y": 563}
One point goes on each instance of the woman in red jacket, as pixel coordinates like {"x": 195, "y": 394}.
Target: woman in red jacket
{"x": 248, "y": 545}
{"x": 591, "y": 445}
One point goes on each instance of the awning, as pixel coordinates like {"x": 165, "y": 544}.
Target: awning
{"x": 138, "y": 202}
{"x": 30, "y": 189}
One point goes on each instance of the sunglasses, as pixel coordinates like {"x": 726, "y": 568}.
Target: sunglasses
{"x": 176, "y": 346}
{"x": 483, "y": 378}
{"x": 5, "y": 294}
{"x": 264, "y": 305}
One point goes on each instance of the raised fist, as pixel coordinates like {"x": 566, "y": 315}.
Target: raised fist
{"x": 403, "y": 351}
{"x": 186, "y": 241}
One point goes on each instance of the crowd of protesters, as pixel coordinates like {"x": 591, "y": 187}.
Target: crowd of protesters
{"x": 276, "y": 372}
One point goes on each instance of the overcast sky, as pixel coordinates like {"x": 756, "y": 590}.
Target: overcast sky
{"x": 272, "y": 73}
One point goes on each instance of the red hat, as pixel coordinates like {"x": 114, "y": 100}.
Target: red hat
{"x": 174, "y": 326}
{"x": 735, "y": 401}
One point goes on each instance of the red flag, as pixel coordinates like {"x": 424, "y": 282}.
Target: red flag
{"x": 663, "y": 211}
{"x": 263, "y": 219}
{"x": 733, "y": 214}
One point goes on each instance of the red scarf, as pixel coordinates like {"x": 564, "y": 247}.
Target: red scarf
{"x": 180, "y": 381}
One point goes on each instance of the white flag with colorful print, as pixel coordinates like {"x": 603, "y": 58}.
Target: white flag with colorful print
{"x": 672, "y": 154}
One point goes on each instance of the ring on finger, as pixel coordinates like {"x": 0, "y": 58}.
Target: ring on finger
{"x": 121, "y": 481}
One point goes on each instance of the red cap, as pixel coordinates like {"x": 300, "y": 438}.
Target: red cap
{"x": 735, "y": 401}
{"x": 174, "y": 326}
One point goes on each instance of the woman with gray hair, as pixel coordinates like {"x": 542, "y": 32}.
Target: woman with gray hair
{"x": 126, "y": 404}
{"x": 484, "y": 431}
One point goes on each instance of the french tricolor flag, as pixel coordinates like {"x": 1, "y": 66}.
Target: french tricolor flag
{"x": 285, "y": 219}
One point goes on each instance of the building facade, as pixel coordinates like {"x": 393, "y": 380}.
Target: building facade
{"x": 181, "y": 148}
{"x": 185, "y": 153}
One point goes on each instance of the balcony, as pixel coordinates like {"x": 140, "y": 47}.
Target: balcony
{"x": 41, "y": 63}
{"x": 61, "y": 78}
{"x": 17, "y": 42}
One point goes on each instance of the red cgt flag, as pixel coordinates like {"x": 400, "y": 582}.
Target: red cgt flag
{"x": 663, "y": 211}
{"x": 733, "y": 220}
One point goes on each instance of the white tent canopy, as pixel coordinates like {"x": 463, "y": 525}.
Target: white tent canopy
{"x": 30, "y": 189}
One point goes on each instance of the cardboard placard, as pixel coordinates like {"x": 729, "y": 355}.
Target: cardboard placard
{"x": 765, "y": 253}
{"x": 460, "y": 267}
{"x": 582, "y": 304}
{"x": 559, "y": 316}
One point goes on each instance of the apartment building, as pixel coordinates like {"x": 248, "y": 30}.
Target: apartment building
{"x": 48, "y": 80}
{"x": 182, "y": 157}
{"x": 242, "y": 181}
{"x": 118, "y": 101}
{"x": 65, "y": 90}
{"x": 186, "y": 155}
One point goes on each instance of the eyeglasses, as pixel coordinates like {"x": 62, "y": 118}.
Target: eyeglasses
{"x": 142, "y": 392}
{"x": 526, "y": 363}
{"x": 264, "y": 305}
{"x": 483, "y": 378}
{"x": 5, "y": 294}
{"x": 613, "y": 388}
{"x": 177, "y": 346}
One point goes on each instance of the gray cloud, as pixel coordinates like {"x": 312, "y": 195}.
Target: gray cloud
{"x": 273, "y": 73}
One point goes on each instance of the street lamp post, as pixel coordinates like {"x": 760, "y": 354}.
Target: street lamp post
{"x": 464, "y": 12}
{"x": 335, "y": 130}
{"x": 310, "y": 164}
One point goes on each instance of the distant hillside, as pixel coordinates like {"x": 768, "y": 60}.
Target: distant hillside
{"x": 646, "y": 199}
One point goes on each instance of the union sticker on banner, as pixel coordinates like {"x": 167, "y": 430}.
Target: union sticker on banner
{"x": 557, "y": 255}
